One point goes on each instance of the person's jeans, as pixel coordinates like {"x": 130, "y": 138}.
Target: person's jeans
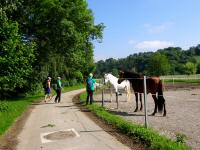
{"x": 89, "y": 96}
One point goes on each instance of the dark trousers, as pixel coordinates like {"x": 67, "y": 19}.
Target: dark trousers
{"x": 58, "y": 96}
{"x": 89, "y": 96}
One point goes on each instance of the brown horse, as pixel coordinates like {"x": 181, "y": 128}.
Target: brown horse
{"x": 153, "y": 86}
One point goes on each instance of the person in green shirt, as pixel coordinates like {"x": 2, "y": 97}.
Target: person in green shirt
{"x": 90, "y": 88}
{"x": 58, "y": 90}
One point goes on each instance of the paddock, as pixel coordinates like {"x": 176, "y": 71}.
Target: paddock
{"x": 183, "y": 112}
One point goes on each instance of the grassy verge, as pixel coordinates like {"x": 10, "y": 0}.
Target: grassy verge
{"x": 193, "y": 81}
{"x": 71, "y": 88}
{"x": 150, "y": 137}
{"x": 10, "y": 110}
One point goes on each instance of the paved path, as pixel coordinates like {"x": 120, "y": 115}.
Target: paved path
{"x": 64, "y": 127}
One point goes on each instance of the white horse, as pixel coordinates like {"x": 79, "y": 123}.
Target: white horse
{"x": 114, "y": 81}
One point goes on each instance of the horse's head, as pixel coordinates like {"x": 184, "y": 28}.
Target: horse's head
{"x": 121, "y": 77}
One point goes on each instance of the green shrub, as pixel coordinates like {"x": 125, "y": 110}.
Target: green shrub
{"x": 3, "y": 106}
{"x": 180, "y": 137}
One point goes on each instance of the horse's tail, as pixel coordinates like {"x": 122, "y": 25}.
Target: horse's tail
{"x": 161, "y": 100}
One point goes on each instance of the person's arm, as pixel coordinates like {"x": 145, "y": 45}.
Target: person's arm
{"x": 94, "y": 81}
{"x": 48, "y": 83}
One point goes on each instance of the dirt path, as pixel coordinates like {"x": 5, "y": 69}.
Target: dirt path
{"x": 183, "y": 113}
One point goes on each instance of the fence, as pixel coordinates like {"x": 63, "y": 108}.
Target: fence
{"x": 164, "y": 79}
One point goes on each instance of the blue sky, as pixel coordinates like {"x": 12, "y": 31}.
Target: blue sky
{"x": 134, "y": 26}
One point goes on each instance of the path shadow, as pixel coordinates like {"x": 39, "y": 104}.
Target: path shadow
{"x": 98, "y": 131}
{"x": 124, "y": 113}
{"x": 133, "y": 114}
{"x": 66, "y": 106}
{"x": 100, "y": 101}
{"x": 42, "y": 103}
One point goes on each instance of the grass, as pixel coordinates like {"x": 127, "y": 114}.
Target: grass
{"x": 152, "y": 139}
{"x": 10, "y": 110}
{"x": 179, "y": 81}
{"x": 71, "y": 88}
{"x": 14, "y": 108}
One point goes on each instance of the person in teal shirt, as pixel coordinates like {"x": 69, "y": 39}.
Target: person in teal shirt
{"x": 58, "y": 90}
{"x": 90, "y": 88}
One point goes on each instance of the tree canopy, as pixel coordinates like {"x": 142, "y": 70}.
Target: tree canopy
{"x": 168, "y": 61}
{"x": 42, "y": 38}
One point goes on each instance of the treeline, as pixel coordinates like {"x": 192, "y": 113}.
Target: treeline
{"x": 41, "y": 38}
{"x": 168, "y": 61}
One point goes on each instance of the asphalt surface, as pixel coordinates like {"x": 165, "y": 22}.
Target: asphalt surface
{"x": 62, "y": 126}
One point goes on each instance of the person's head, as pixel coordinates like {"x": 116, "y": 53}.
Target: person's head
{"x": 91, "y": 75}
{"x": 59, "y": 78}
{"x": 49, "y": 78}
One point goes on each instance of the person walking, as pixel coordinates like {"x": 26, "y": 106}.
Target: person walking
{"x": 58, "y": 90}
{"x": 90, "y": 88}
{"x": 47, "y": 89}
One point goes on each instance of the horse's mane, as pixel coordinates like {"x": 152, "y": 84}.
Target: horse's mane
{"x": 132, "y": 74}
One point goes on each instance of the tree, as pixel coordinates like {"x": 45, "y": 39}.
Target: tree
{"x": 16, "y": 57}
{"x": 190, "y": 68}
{"x": 158, "y": 65}
{"x": 60, "y": 28}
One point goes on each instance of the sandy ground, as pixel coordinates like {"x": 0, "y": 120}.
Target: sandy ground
{"x": 183, "y": 113}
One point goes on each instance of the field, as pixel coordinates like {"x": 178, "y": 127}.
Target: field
{"x": 183, "y": 107}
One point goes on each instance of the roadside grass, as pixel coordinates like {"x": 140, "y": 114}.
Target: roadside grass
{"x": 11, "y": 109}
{"x": 181, "y": 81}
{"x": 152, "y": 139}
{"x": 71, "y": 88}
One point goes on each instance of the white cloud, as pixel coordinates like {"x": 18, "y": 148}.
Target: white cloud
{"x": 152, "y": 45}
{"x": 155, "y": 29}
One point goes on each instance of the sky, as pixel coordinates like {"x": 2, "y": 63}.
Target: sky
{"x": 133, "y": 26}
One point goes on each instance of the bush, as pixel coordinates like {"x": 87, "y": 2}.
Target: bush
{"x": 3, "y": 106}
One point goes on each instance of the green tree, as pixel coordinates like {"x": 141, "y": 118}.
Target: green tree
{"x": 115, "y": 72}
{"x": 60, "y": 28}
{"x": 190, "y": 68}
{"x": 16, "y": 58}
{"x": 158, "y": 65}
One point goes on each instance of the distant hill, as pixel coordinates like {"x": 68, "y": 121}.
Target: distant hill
{"x": 168, "y": 61}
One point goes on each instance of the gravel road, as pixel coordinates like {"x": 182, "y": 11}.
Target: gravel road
{"x": 183, "y": 113}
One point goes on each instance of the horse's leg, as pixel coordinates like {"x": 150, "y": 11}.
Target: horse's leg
{"x": 161, "y": 104}
{"x": 164, "y": 111}
{"x": 116, "y": 93}
{"x": 110, "y": 95}
{"x": 136, "y": 99}
{"x": 127, "y": 94}
{"x": 155, "y": 102}
{"x": 141, "y": 106}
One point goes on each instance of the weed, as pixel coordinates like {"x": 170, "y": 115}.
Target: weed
{"x": 180, "y": 138}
